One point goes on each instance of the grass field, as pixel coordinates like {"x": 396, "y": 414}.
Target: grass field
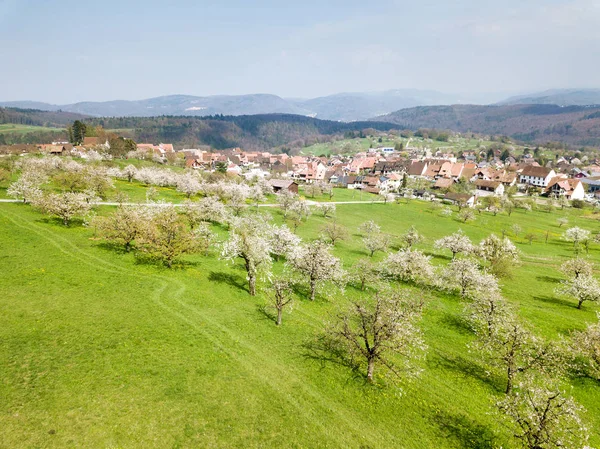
{"x": 24, "y": 129}
{"x": 352, "y": 146}
{"x": 98, "y": 350}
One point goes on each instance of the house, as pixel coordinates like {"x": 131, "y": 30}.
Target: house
{"x": 593, "y": 183}
{"x": 417, "y": 168}
{"x": 461, "y": 199}
{"x": 234, "y": 169}
{"x": 569, "y": 188}
{"x": 536, "y": 176}
{"x": 495, "y": 187}
{"x": 283, "y": 184}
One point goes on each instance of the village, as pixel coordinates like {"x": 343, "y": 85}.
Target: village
{"x": 412, "y": 172}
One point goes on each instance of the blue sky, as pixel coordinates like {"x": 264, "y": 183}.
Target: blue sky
{"x": 64, "y": 51}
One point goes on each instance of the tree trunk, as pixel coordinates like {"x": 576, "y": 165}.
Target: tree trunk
{"x": 579, "y": 303}
{"x": 252, "y": 284}
{"x": 509, "y": 382}
{"x": 313, "y": 289}
{"x": 370, "y": 369}
{"x": 279, "y": 314}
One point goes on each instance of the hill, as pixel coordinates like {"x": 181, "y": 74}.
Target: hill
{"x": 343, "y": 106}
{"x": 261, "y": 131}
{"x": 575, "y": 125}
{"x": 560, "y": 97}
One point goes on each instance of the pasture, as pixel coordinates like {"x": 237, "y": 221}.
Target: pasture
{"x": 99, "y": 349}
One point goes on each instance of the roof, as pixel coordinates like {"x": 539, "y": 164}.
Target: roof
{"x": 417, "y": 168}
{"x": 458, "y": 196}
{"x": 444, "y": 183}
{"x": 537, "y": 172}
{"x": 91, "y": 140}
{"x": 487, "y": 184}
{"x": 281, "y": 183}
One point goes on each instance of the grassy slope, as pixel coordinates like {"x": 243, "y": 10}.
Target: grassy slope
{"x": 100, "y": 351}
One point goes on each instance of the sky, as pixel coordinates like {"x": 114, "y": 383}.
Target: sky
{"x": 65, "y": 51}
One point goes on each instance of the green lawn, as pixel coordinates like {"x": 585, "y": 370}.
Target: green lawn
{"x": 97, "y": 350}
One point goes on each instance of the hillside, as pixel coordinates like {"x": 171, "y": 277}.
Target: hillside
{"x": 247, "y": 131}
{"x": 575, "y": 125}
{"x": 560, "y": 97}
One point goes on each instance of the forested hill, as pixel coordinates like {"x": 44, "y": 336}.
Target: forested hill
{"x": 35, "y": 117}
{"x": 576, "y": 125}
{"x": 247, "y": 131}
{"x": 257, "y": 132}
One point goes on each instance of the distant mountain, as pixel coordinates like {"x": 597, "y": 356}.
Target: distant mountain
{"x": 360, "y": 106}
{"x": 560, "y": 97}
{"x": 341, "y": 107}
{"x": 576, "y": 125}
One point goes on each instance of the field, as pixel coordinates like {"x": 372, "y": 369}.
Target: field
{"x": 25, "y": 129}
{"x": 352, "y": 146}
{"x": 100, "y": 350}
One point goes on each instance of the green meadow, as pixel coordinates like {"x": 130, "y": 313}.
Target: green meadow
{"x": 99, "y": 349}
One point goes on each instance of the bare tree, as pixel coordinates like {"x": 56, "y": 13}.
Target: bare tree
{"x": 280, "y": 294}
{"x": 334, "y": 232}
{"x": 382, "y": 331}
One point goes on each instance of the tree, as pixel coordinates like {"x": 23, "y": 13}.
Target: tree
{"x": 298, "y": 212}
{"x": 577, "y": 267}
{"x": 286, "y": 200}
{"x": 586, "y": 344}
{"x": 129, "y": 172}
{"x": 500, "y": 253}
{"x": 562, "y": 221}
{"x": 166, "y": 236}
{"x": 582, "y": 288}
{"x": 508, "y": 207}
{"x": 464, "y": 275}
{"x": 283, "y": 241}
{"x": 250, "y": 240}
{"x": 364, "y": 272}
{"x": 313, "y": 189}
{"x": 544, "y": 418}
{"x": 334, "y": 232}
{"x": 408, "y": 266}
{"x": 515, "y": 350}
{"x": 188, "y": 184}
{"x": 577, "y": 236}
{"x": 78, "y": 132}
{"x": 256, "y": 195}
{"x": 327, "y": 209}
{"x": 381, "y": 331}
{"x": 124, "y": 225}
{"x": 516, "y": 229}
{"x": 315, "y": 262}
{"x": 487, "y": 311}
{"x": 411, "y": 237}
{"x": 456, "y": 243}
{"x": 28, "y": 186}
{"x": 65, "y": 206}
{"x": 466, "y": 215}
{"x": 280, "y": 295}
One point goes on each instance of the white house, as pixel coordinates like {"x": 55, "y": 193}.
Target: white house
{"x": 570, "y": 188}
{"x": 536, "y": 176}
